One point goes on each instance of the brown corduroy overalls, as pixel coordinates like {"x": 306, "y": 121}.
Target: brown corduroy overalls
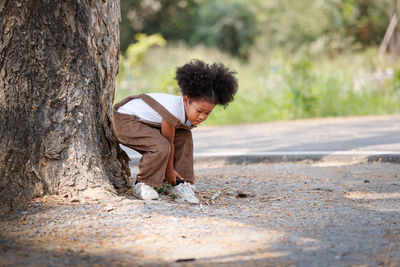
{"x": 146, "y": 138}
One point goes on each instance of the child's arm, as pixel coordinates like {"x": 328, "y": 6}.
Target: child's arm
{"x": 168, "y": 131}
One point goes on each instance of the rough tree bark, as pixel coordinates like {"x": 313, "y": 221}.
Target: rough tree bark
{"x": 58, "y": 63}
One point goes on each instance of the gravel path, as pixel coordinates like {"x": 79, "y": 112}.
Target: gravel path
{"x": 287, "y": 214}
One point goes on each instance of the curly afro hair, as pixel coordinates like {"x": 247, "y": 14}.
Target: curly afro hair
{"x": 214, "y": 83}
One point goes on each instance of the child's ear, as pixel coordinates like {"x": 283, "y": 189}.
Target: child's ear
{"x": 186, "y": 99}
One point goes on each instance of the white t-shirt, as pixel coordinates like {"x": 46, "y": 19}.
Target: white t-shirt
{"x": 173, "y": 103}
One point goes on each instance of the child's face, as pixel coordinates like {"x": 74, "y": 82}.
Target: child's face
{"x": 197, "y": 111}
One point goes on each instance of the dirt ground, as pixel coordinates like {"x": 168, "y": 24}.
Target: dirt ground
{"x": 286, "y": 214}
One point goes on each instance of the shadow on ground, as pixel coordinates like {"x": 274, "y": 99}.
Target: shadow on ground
{"x": 317, "y": 214}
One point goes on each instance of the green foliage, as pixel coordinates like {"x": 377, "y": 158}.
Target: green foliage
{"x": 300, "y": 81}
{"x": 318, "y": 26}
{"x": 315, "y": 27}
{"x": 225, "y": 24}
{"x": 365, "y": 20}
{"x": 133, "y": 57}
{"x": 273, "y": 86}
{"x": 135, "y": 52}
{"x": 396, "y": 79}
{"x": 173, "y": 19}
{"x": 396, "y": 85}
{"x": 229, "y": 26}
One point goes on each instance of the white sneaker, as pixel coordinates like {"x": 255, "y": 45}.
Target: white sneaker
{"x": 144, "y": 191}
{"x": 184, "y": 192}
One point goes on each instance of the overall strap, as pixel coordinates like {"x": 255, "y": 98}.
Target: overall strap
{"x": 164, "y": 113}
{"x": 160, "y": 109}
{"x": 124, "y": 101}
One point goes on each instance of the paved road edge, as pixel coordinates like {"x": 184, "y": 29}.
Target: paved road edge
{"x": 311, "y": 156}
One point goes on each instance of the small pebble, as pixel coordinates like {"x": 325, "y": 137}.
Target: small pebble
{"x": 109, "y": 208}
{"x": 242, "y": 194}
{"x": 216, "y": 195}
{"x": 185, "y": 260}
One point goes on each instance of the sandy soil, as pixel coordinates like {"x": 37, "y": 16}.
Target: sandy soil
{"x": 287, "y": 214}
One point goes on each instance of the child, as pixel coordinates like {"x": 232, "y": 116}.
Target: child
{"x": 158, "y": 125}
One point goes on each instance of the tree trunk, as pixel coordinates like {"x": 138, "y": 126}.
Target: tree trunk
{"x": 58, "y": 63}
{"x": 394, "y": 46}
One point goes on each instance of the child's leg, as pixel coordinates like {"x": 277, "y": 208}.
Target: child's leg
{"x": 183, "y": 157}
{"x": 155, "y": 150}
{"x": 149, "y": 142}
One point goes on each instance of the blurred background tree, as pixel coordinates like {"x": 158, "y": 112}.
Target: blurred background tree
{"x": 333, "y": 25}
{"x": 234, "y": 26}
{"x": 174, "y": 20}
{"x": 227, "y": 25}
{"x": 294, "y": 59}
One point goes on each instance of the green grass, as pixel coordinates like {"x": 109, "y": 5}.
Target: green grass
{"x": 273, "y": 87}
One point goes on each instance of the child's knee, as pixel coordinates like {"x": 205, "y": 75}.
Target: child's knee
{"x": 164, "y": 148}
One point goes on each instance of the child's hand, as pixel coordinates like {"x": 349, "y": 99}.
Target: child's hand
{"x": 177, "y": 176}
{"x": 194, "y": 180}
{"x": 172, "y": 176}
